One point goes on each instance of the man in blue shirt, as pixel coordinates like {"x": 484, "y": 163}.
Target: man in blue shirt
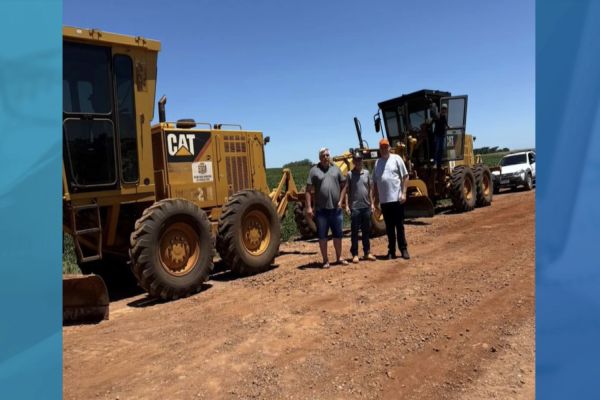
{"x": 439, "y": 135}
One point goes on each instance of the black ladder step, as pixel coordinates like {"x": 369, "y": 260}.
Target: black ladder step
{"x": 85, "y": 207}
{"x": 87, "y": 231}
{"x": 91, "y": 258}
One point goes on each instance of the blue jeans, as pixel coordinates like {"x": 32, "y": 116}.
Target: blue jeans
{"x": 360, "y": 218}
{"x": 438, "y": 154}
{"x": 329, "y": 218}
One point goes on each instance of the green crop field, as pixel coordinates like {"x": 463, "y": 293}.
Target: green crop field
{"x": 300, "y": 174}
{"x": 492, "y": 159}
{"x": 69, "y": 261}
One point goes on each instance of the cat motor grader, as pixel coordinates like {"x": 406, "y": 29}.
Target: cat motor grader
{"x": 408, "y": 123}
{"x": 462, "y": 178}
{"x": 165, "y": 197}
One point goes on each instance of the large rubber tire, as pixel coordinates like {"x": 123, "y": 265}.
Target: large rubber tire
{"x": 377, "y": 223}
{"x": 463, "y": 191}
{"x": 484, "y": 185}
{"x": 249, "y": 233}
{"x": 306, "y": 226}
{"x": 528, "y": 181}
{"x": 172, "y": 249}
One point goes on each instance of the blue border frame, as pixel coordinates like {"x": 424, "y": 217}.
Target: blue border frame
{"x": 30, "y": 200}
{"x": 568, "y": 143}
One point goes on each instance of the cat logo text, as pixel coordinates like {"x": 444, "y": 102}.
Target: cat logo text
{"x": 180, "y": 144}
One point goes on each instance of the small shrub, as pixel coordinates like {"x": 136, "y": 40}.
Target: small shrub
{"x": 69, "y": 259}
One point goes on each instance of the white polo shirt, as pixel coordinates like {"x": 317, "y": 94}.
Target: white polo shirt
{"x": 388, "y": 175}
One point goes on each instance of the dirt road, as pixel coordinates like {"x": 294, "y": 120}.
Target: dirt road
{"x": 454, "y": 322}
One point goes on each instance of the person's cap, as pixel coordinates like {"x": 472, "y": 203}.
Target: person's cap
{"x": 444, "y": 106}
{"x": 357, "y": 155}
{"x": 384, "y": 142}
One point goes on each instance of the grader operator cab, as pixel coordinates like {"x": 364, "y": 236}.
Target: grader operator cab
{"x": 165, "y": 197}
{"x": 408, "y": 121}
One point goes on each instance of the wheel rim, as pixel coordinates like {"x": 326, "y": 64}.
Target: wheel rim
{"x": 468, "y": 189}
{"x": 179, "y": 249}
{"x": 486, "y": 185}
{"x": 256, "y": 234}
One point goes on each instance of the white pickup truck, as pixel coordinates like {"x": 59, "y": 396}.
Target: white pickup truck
{"x": 514, "y": 170}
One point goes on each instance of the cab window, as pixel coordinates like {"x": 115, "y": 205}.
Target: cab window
{"x": 88, "y": 128}
{"x": 123, "y": 72}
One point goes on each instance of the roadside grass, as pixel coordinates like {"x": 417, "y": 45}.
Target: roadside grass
{"x": 300, "y": 174}
{"x": 69, "y": 260}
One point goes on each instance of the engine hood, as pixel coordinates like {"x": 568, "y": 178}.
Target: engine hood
{"x": 513, "y": 168}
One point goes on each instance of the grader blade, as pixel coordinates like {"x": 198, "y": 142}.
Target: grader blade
{"x": 85, "y": 299}
{"x": 418, "y": 207}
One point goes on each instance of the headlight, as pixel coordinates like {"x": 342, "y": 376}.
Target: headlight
{"x": 495, "y": 172}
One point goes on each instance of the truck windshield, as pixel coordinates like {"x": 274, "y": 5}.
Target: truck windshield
{"x": 513, "y": 160}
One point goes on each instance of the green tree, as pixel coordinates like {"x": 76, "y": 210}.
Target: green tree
{"x": 302, "y": 163}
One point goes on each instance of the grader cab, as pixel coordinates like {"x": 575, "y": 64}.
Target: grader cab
{"x": 166, "y": 197}
{"x": 408, "y": 121}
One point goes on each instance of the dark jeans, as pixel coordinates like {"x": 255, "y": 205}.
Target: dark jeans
{"x": 393, "y": 215}
{"x": 360, "y": 218}
{"x": 329, "y": 218}
{"x": 438, "y": 150}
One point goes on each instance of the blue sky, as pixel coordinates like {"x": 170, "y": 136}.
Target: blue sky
{"x": 300, "y": 71}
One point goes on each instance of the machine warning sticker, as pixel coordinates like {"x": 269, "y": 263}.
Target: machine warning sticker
{"x": 202, "y": 172}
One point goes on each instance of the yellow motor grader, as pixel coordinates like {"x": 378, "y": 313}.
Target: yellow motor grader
{"x": 166, "y": 197}
{"x": 408, "y": 123}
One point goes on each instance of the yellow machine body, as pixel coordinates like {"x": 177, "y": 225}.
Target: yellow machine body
{"x": 155, "y": 195}
{"x": 207, "y": 166}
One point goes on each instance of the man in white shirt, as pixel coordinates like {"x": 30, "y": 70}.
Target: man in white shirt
{"x": 390, "y": 178}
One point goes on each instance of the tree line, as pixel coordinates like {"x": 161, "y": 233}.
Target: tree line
{"x": 482, "y": 150}
{"x": 301, "y": 163}
{"x": 488, "y": 150}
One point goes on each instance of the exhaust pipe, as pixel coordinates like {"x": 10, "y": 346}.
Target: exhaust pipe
{"x": 359, "y": 133}
{"x": 161, "y": 109}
